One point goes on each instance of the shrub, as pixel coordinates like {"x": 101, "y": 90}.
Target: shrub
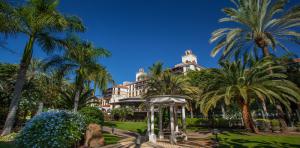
{"x": 92, "y": 115}
{"x": 122, "y": 112}
{"x": 275, "y": 123}
{"x": 51, "y": 129}
{"x": 262, "y": 124}
{"x": 194, "y": 122}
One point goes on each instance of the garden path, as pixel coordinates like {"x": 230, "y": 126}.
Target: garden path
{"x": 195, "y": 140}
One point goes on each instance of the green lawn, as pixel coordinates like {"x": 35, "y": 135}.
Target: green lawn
{"x": 129, "y": 126}
{"x": 110, "y": 139}
{"x": 7, "y": 141}
{"x": 243, "y": 140}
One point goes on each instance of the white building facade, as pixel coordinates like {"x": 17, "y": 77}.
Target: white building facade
{"x": 131, "y": 92}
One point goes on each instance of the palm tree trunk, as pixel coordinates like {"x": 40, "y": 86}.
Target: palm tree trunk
{"x": 40, "y": 108}
{"x": 266, "y": 114}
{"x": 223, "y": 111}
{"x": 76, "y": 100}
{"x": 15, "y": 98}
{"x": 192, "y": 114}
{"x": 278, "y": 105}
{"x": 248, "y": 122}
{"x": 281, "y": 117}
{"x": 266, "y": 51}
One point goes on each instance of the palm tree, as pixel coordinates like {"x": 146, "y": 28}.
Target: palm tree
{"x": 243, "y": 82}
{"x": 101, "y": 77}
{"x": 37, "y": 19}
{"x": 200, "y": 80}
{"x": 156, "y": 69}
{"x": 258, "y": 24}
{"x": 80, "y": 57}
{"x": 47, "y": 84}
{"x": 66, "y": 100}
{"x": 168, "y": 84}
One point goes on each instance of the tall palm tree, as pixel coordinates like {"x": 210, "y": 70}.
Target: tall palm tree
{"x": 168, "y": 84}
{"x": 156, "y": 69}
{"x": 243, "y": 82}
{"x": 259, "y": 24}
{"x": 101, "y": 77}
{"x": 80, "y": 57}
{"x": 37, "y": 19}
{"x": 66, "y": 100}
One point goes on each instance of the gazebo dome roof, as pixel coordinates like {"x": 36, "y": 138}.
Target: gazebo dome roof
{"x": 167, "y": 99}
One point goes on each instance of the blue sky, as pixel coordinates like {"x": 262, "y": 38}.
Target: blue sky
{"x": 141, "y": 32}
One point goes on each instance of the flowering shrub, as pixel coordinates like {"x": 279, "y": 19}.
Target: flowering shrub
{"x": 92, "y": 115}
{"x": 57, "y": 129}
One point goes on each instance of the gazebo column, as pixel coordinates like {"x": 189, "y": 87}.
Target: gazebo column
{"x": 176, "y": 118}
{"x": 148, "y": 123}
{"x": 183, "y": 118}
{"x": 183, "y": 121}
{"x": 172, "y": 136}
{"x": 161, "y": 134}
{"x": 152, "y": 137}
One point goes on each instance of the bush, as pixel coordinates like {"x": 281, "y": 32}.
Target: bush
{"x": 275, "y": 123}
{"x": 194, "y": 122}
{"x": 92, "y": 115}
{"x": 262, "y": 124}
{"x": 122, "y": 112}
{"x": 51, "y": 129}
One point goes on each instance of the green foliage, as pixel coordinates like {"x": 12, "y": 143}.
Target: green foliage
{"x": 262, "y": 124}
{"x": 168, "y": 83}
{"x": 122, "y": 112}
{"x": 92, "y": 115}
{"x": 66, "y": 99}
{"x": 53, "y": 129}
{"x": 242, "y": 81}
{"x": 258, "y": 23}
{"x": 275, "y": 123}
{"x": 194, "y": 122}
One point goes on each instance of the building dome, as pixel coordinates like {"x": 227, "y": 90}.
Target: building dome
{"x": 189, "y": 57}
{"x": 140, "y": 75}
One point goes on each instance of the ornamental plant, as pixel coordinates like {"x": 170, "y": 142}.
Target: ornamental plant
{"x": 92, "y": 115}
{"x": 122, "y": 112}
{"x": 52, "y": 129}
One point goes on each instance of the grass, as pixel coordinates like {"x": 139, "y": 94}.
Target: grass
{"x": 137, "y": 127}
{"x": 244, "y": 140}
{"x": 110, "y": 139}
{"x": 197, "y": 129}
{"x": 8, "y": 141}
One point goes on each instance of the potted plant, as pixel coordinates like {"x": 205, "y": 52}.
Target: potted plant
{"x": 275, "y": 126}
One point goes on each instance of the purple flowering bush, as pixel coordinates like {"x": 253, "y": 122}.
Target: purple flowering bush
{"x": 52, "y": 129}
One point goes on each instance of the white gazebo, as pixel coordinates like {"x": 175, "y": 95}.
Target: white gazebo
{"x": 174, "y": 103}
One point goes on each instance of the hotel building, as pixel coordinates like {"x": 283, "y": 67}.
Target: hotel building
{"x": 130, "y": 93}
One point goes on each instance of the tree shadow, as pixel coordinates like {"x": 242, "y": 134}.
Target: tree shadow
{"x": 243, "y": 143}
{"x": 7, "y": 144}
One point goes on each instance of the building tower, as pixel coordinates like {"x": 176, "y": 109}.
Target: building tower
{"x": 140, "y": 75}
{"x": 189, "y": 57}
